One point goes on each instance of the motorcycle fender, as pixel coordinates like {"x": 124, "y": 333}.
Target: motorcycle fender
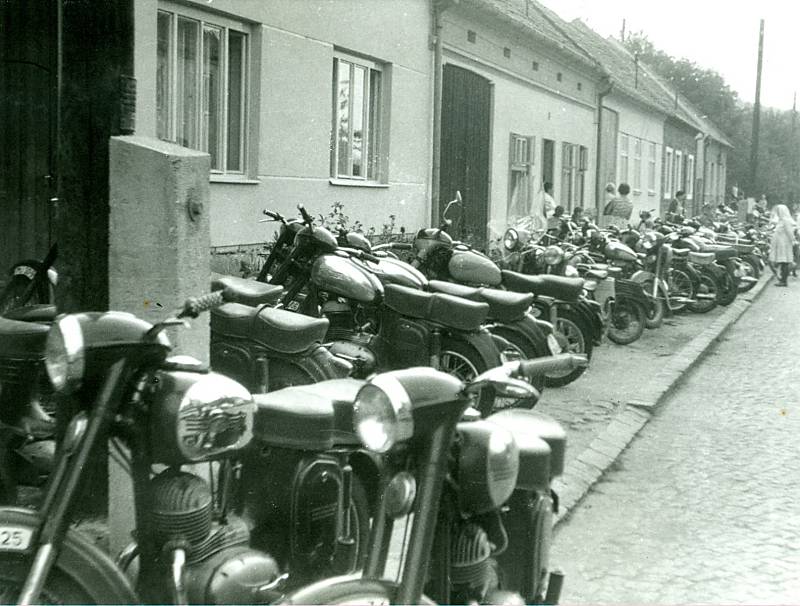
{"x": 79, "y": 559}
{"x": 642, "y": 276}
{"x": 530, "y": 329}
{"x": 593, "y": 316}
{"x": 499, "y": 342}
{"x": 483, "y": 341}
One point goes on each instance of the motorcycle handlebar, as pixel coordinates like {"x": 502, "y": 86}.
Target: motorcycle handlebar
{"x": 304, "y": 213}
{"x": 194, "y": 306}
{"x": 393, "y": 245}
{"x": 273, "y": 215}
{"x": 562, "y": 362}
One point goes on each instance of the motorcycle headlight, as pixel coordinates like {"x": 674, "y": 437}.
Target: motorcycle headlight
{"x": 64, "y": 354}
{"x": 553, "y": 255}
{"x": 571, "y": 271}
{"x": 511, "y": 240}
{"x": 649, "y": 240}
{"x": 198, "y": 416}
{"x": 382, "y": 414}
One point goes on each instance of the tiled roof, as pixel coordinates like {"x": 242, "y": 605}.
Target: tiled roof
{"x": 540, "y": 22}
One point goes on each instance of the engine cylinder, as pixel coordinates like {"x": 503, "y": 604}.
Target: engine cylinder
{"x": 182, "y": 506}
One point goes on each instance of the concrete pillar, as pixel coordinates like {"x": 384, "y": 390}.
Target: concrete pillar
{"x": 159, "y": 254}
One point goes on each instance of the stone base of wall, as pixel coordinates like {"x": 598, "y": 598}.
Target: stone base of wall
{"x": 244, "y": 260}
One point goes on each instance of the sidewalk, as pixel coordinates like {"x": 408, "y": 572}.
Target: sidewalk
{"x": 604, "y": 409}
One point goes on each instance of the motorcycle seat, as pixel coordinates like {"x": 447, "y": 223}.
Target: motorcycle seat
{"x": 721, "y": 252}
{"x": 504, "y": 306}
{"x": 680, "y": 252}
{"x": 33, "y": 313}
{"x": 308, "y": 417}
{"x": 247, "y": 292}
{"x": 699, "y": 258}
{"x": 22, "y": 340}
{"x": 597, "y": 274}
{"x": 441, "y": 308}
{"x": 558, "y": 287}
{"x": 275, "y": 329}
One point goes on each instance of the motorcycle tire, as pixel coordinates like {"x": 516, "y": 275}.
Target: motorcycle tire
{"x": 654, "y": 317}
{"x": 708, "y": 285}
{"x": 575, "y": 336}
{"x": 348, "y": 590}
{"x": 525, "y": 349}
{"x": 749, "y": 269}
{"x": 460, "y": 359}
{"x": 59, "y": 588}
{"x": 627, "y": 322}
{"x": 680, "y": 285}
{"x": 727, "y": 289}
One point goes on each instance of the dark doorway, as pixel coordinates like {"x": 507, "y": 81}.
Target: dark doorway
{"x": 466, "y": 123}
{"x": 28, "y": 39}
{"x": 548, "y": 161}
{"x": 608, "y": 153}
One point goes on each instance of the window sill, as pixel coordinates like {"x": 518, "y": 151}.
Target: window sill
{"x": 357, "y": 183}
{"x": 637, "y": 192}
{"x": 650, "y": 192}
{"x": 233, "y": 179}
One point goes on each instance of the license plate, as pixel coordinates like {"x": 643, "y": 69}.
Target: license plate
{"x": 25, "y": 270}
{"x": 15, "y": 538}
{"x": 552, "y": 344}
{"x": 293, "y": 305}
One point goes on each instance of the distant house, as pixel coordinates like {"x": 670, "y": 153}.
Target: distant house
{"x": 519, "y": 109}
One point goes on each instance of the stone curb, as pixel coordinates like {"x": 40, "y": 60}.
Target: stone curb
{"x": 582, "y": 473}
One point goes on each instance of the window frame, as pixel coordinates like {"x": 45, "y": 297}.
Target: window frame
{"x": 373, "y": 140}
{"x": 624, "y": 159}
{"x": 678, "y": 182}
{"x": 201, "y": 127}
{"x": 668, "y": 171}
{"x": 651, "y": 168}
{"x": 636, "y": 186}
{"x": 525, "y": 168}
{"x": 574, "y": 165}
{"x": 690, "y": 177}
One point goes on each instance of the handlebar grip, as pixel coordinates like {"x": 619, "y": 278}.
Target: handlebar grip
{"x": 194, "y": 306}
{"x": 540, "y": 366}
{"x": 304, "y": 213}
{"x": 273, "y": 215}
{"x": 370, "y": 257}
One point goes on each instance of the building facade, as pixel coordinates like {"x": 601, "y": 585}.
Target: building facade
{"x": 296, "y": 102}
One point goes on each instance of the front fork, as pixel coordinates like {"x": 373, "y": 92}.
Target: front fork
{"x": 83, "y": 433}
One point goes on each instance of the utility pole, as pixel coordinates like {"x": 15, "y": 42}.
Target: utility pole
{"x": 622, "y": 33}
{"x": 757, "y": 114}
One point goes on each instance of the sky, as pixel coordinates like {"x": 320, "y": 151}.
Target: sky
{"x": 715, "y": 34}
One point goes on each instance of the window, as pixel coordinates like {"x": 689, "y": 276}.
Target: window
{"x": 678, "y": 183}
{"x": 559, "y": 76}
{"x": 668, "y": 172}
{"x": 637, "y": 165}
{"x": 622, "y": 177}
{"x": 520, "y": 184}
{"x": 201, "y": 86}
{"x": 356, "y": 118}
{"x": 507, "y": 53}
{"x": 713, "y": 183}
{"x": 471, "y": 36}
{"x": 574, "y": 164}
{"x": 535, "y": 66}
{"x": 690, "y": 177}
{"x": 651, "y": 169}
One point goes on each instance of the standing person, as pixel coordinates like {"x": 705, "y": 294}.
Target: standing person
{"x": 677, "y": 207}
{"x": 548, "y": 202}
{"x": 781, "y": 248}
{"x": 618, "y": 211}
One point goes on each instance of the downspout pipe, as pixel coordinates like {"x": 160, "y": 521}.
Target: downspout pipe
{"x": 438, "y": 7}
{"x": 606, "y": 86}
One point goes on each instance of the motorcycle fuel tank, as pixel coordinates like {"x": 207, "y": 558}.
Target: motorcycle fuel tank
{"x": 473, "y": 268}
{"x": 394, "y": 271}
{"x": 343, "y": 277}
{"x": 619, "y": 252}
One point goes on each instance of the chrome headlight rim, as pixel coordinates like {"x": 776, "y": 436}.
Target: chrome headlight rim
{"x": 394, "y": 419}
{"x": 65, "y": 354}
{"x": 511, "y": 239}
{"x": 553, "y": 255}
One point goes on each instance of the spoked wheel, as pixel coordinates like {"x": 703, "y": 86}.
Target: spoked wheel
{"x": 654, "y": 316}
{"x": 465, "y": 362}
{"x": 59, "y": 588}
{"x": 707, "y": 291}
{"x": 627, "y": 322}
{"x": 681, "y": 288}
{"x": 574, "y": 336}
{"x": 727, "y": 289}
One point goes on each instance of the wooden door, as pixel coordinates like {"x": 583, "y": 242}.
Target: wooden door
{"x": 28, "y": 39}
{"x": 548, "y": 161}
{"x": 466, "y": 124}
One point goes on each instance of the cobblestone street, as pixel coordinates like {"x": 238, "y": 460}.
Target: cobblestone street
{"x": 703, "y": 507}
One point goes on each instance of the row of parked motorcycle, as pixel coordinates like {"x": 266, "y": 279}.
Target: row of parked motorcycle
{"x": 357, "y": 397}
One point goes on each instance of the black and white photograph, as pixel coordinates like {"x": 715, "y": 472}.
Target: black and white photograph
{"x": 399, "y": 302}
